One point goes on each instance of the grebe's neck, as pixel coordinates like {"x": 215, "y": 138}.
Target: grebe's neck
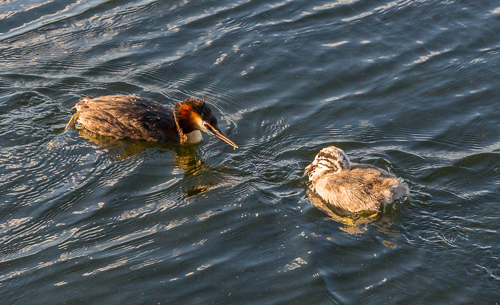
{"x": 182, "y": 137}
{"x": 187, "y": 115}
{"x": 191, "y": 137}
{"x": 194, "y": 137}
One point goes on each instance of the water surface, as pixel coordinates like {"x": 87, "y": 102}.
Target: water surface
{"x": 409, "y": 86}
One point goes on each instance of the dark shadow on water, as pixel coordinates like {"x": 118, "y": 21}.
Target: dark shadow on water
{"x": 119, "y": 149}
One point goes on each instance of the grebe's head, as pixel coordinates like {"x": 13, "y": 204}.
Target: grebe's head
{"x": 193, "y": 114}
{"x": 329, "y": 159}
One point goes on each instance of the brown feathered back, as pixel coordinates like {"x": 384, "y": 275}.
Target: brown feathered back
{"x": 127, "y": 116}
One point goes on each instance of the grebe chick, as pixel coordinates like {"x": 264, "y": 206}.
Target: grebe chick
{"x": 352, "y": 188}
{"x": 133, "y": 117}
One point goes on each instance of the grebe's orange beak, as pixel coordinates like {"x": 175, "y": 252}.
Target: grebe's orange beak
{"x": 216, "y": 131}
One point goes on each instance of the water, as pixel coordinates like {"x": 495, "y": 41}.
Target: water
{"x": 410, "y": 86}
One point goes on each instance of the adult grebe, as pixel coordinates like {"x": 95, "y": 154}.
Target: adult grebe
{"x": 133, "y": 117}
{"x": 352, "y": 188}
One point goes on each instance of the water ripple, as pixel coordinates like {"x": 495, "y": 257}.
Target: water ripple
{"x": 404, "y": 85}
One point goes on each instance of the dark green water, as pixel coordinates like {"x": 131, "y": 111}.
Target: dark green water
{"x": 410, "y": 86}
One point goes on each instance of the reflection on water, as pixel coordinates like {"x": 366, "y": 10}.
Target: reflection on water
{"x": 186, "y": 158}
{"x": 118, "y": 149}
{"x": 353, "y": 223}
{"x": 359, "y": 222}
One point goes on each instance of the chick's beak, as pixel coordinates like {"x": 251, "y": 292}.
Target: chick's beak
{"x": 216, "y": 131}
{"x": 309, "y": 168}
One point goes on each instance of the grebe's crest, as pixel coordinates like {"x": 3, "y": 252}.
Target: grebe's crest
{"x": 192, "y": 114}
{"x": 329, "y": 159}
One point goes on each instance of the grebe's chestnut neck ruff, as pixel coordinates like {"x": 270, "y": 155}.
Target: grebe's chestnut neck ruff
{"x": 349, "y": 188}
{"x": 133, "y": 117}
